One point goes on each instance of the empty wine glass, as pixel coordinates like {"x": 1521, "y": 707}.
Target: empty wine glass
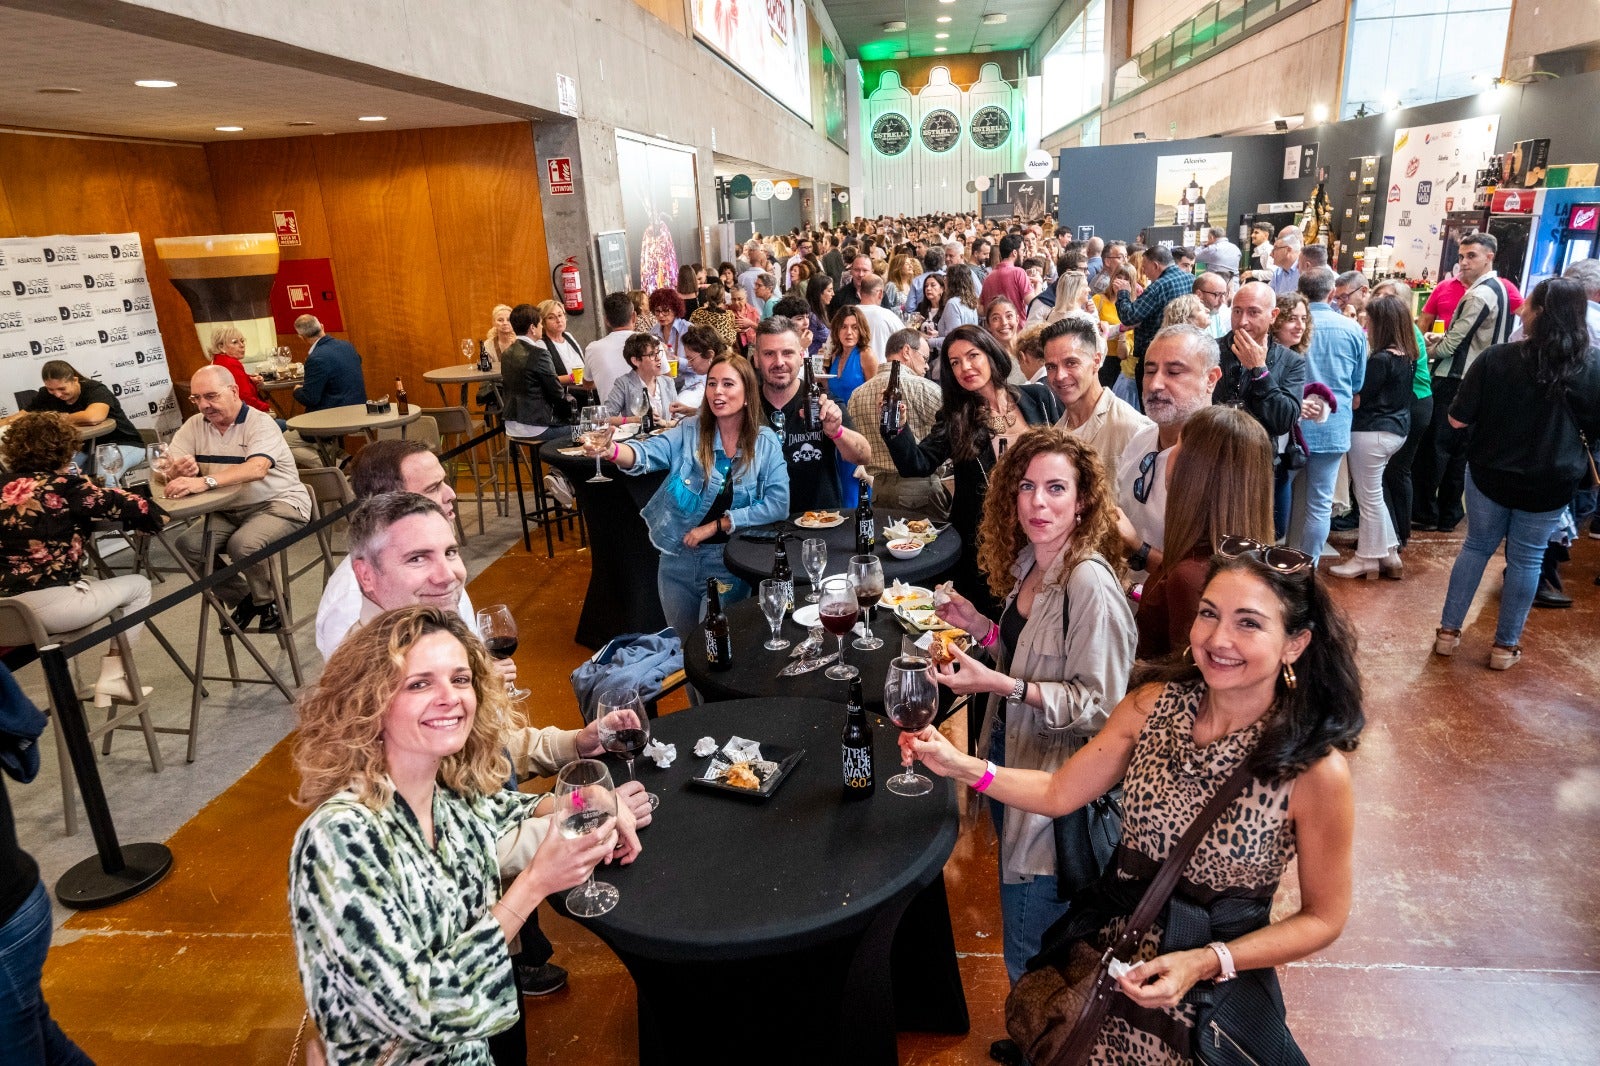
{"x": 108, "y": 457}
{"x": 814, "y": 557}
{"x": 158, "y": 456}
{"x": 469, "y": 352}
{"x": 774, "y": 601}
{"x": 498, "y": 628}
{"x": 624, "y": 728}
{"x": 597, "y": 432}
{"x": 910, "y": 699}
{"x": 586, "y": 803}
{"x": 839, "y": 611}
{"x": 866, "y": 574}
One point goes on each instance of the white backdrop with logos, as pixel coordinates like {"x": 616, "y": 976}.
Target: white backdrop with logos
{"x": 85, "y": 300}
{"x": 1430, "y": 174}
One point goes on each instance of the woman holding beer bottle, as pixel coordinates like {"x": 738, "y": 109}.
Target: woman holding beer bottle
{"x": 725, "y": 471}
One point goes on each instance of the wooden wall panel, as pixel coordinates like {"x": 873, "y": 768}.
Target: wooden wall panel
{"x": 483, "y": 183}
{"x": 62, "y": 185}
{"x": 8, "y": 228}
{"x": 255, "y": 178}
{"x": 669, "y": 11}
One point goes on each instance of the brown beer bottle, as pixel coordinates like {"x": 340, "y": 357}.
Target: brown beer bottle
{"x": 813, "y": 398}
{"x": 719, "y": 642}
{"x": 401, "y": 406}
{"x": 860, "y": 775}
{"x": 889, "y": 416}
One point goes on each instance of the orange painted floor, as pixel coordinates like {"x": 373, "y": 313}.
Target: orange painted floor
{"x": 1475, "y": 936}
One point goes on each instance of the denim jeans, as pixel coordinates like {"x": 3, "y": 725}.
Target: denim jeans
{"x": 1525, "y": 534}
{"x": 28, "y": 1035}
{"x": 1320, "y": 473}
{"x": 681, "y": 584}
{"x": 1282, "y": 499}
{"x": 1026, "y": 909}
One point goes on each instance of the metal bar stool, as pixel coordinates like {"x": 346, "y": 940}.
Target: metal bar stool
{"x": 547, "y": 512}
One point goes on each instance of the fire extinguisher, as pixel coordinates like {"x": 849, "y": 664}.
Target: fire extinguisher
{"x": 569, "y": 283}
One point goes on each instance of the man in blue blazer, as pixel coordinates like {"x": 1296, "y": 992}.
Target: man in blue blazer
{"x": 333, "y": 369}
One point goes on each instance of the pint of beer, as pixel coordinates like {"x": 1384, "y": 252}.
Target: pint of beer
{"x": 227, "y": 281}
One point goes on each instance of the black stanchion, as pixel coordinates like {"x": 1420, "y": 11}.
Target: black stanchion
{"x": 117, "y": 872}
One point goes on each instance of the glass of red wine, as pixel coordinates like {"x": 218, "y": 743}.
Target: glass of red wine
{"x": 866, "y": 574}
{"x": 910, "y": 699}
{"x": 839, "y": 613}
{"x": 624, "y": 728}
{"x": 498, "y": 628}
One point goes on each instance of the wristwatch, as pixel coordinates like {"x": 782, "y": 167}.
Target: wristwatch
{"x": 1139, "y": 559}
{"x": 210, "y": 481}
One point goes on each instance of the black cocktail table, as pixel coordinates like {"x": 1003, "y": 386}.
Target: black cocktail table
{"x": 752, "y": 560}
{"x": 799, "y": 929}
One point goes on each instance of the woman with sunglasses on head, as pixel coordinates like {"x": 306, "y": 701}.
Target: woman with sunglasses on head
{"x": 1061, "y": 649}
{"x": 1531, "y": 409}
{"x": 1270, "y": 683}
{"x": 980, "y": 417}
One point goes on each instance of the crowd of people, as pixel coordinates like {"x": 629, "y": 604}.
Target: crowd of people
{"x": 1143, "y": 450}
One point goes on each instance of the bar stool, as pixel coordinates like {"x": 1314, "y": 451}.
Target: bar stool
{"x": 330, "y": 490}
{"x": 278, "y": 571}
{"x": 20, "y": 627}
{"x": 548, "y": 512}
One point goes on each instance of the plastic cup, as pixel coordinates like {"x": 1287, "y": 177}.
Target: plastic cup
{"x": 672, "y": 368}
{"x": 577, "y": 376}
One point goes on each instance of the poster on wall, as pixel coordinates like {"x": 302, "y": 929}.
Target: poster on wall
{"x": 1027, "y": 199}
{"x": 1192, "y": 190}
{"x": 834, "y": 104}
{"x": 85, "y": 300}
{"x": 765, "y": 40}
{"x": 659, "y": 209}
{"x": 1430, "y": 165}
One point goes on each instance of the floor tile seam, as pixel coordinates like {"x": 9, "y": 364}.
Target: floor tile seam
{"x": 1407, "y": 967}
{"x": 80, "y": 934}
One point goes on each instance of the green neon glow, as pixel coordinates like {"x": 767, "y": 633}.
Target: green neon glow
{"x": 875, "y": 50}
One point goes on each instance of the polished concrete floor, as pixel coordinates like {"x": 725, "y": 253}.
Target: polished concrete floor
{"x": 1475, "y": 934}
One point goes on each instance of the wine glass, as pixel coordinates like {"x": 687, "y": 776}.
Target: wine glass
{"x": 586, "y": 803}
{"x": 108, "y": 457}
{"x": 839, "y": 611}
{"x": 866, "y": 574}
{"x": 469, "y": 352}
{"x": 498, "y": 628}
{"x": 774, "y": 601}
{"x": 910, "y": 699}
{"x": 597, "y": 433}
{"x": 624, "y": 728}
{"x": 814, "y": 557}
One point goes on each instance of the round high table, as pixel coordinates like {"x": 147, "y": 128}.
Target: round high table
{"x": 271, "y": 387}
{"x": 462, "y": 374}
{"x": 352, "y": 419}
{"x": 622, "y": 596}
{"x": 752, "y": 560}
{"x": 797, "y": 929}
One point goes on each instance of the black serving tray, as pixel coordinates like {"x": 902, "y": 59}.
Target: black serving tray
{"x": 786, "y": 758}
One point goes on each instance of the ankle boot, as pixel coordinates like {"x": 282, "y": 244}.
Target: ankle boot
{"x": 112, "y": 684}
{"x": 1393, "y": 568}
{"x": 1356, "y": 567}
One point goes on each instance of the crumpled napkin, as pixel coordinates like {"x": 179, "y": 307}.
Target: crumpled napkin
{"x": 661, "y": 754}
{"x": 705, "y": 746}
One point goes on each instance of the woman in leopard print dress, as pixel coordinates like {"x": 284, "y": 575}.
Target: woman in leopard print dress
{"x": 1272, "y": 683}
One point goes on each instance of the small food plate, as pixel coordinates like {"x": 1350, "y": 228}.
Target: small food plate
{"x": 900, "y": 529}
{"x": 772, "y": 770}
{"x": 809, "y": 616}
{"x": 810, "y": 520}
{"x": 921, "y": 619}
{"x": 907, "y": 596}
{"x": 627, "y": 431}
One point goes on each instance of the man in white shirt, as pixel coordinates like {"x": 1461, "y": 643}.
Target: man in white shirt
{"x": 230, "y": 443}
{"x": 1212, "y": 288}
{"x": 1072, "y": 356}
{"x": 882, "y": 323}
{"x": 757, "y": 256}
{"x": 602, "y": 359}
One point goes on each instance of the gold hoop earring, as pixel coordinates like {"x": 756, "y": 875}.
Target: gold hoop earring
{"x": 1288, "y": 676}
{"x": 1188, "y": 654}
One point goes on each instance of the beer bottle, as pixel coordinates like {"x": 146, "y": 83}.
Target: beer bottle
{"x": 889, "y": 417}
{"x": 780, "y": 569}
{"x": 647, "y": 421}
{"x": 719, "y": 642}
{"x": 485, "y": 364}
{"x": 401, "y": 406}
{"x": 866, "y": 524}
{"x": 860, "y": 776}
{"x": 813, "y": 398}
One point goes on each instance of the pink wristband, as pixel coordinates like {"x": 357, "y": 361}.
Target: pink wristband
{"x": 982, "y": 784}
{"x": 990, "y": 637}
{"x": 615, "y": 450}
{"x": 836, "y": 436}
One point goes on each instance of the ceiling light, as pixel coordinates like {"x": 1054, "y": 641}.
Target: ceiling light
{"x": 942, "y": 18}
{"x": 893, "y": 27}
{"x": 1319, "y": 113}
{"x": 301, "y": 122}
{"x": 941, "y": 48}
{"x": 230, "y": 129}
{"x": 941, "y": 36}
{"x": 373, "y": 118}
{"x": 156, "y": 83}
{"x": 994, "y": 19}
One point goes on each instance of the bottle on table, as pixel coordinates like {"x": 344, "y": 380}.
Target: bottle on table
{"x": 781, "y": 572}
{"x": 866, "y": 524}
{"x": 855, "y": 745}
{"x": 813, "y": 398}
{"x": 401, "y": 406}
{"x": 889, "y": 417}
{"x": 647, "y": 421}
{"x": 719, "y": 641}
{"x": 485, "y": 364}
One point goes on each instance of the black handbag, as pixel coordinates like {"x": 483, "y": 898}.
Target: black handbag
{"x": 1243, "y": 1024}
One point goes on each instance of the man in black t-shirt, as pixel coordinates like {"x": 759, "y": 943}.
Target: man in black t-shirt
{"x": 808, "y": 450}
{"x": 87, "y": 402}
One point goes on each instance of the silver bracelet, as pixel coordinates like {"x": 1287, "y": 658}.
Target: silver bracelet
{"x": 1019, "y": 690}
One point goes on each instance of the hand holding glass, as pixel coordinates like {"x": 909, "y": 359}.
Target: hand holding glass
{"x": 499, "y": 630}
{"x": 597, "y": 433}
{"x": 586, "y": 803}
{"x": 624, "y": 728}
{"x": 911, "y": 700}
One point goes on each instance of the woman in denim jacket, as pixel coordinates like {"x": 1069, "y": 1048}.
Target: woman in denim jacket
{"x": 725, "y": 472}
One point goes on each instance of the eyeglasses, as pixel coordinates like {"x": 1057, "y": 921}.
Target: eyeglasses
{"x": 1144, "y": 484}
{"x": 1283, "y": 560}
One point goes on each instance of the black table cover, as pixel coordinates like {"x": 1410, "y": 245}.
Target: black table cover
{"x": 622, "y": 596}
{"x": 755, "y": 670}
{"x": 752, "y": 560}
{"x": 801, "y": 928}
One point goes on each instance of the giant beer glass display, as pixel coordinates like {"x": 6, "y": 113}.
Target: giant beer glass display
{"x": 227, "y": 281}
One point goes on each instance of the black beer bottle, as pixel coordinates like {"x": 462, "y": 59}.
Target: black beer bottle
{"x": 647, "y": 421}
{"x": 866, "y": 524}
{"x": 719, "y": 643}
{"x": 813, "y": 398}
{"x": 401, "y": 406}
{"x": 485, "y": 364}
{"x": 889, "y": 417}
{"x": 860, "y": 776}
{"x": 781, "y": 572}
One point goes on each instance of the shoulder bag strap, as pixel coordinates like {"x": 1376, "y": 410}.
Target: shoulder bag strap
{"x": 1583, "y": 438}
{"x": 1081, "y": 1042}
{"x": 1462, "y": 350}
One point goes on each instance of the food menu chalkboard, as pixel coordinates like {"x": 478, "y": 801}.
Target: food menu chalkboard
{"x": 611, "y": 249}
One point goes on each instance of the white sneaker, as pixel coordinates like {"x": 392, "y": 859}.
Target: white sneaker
{"x": 557, "y": 486}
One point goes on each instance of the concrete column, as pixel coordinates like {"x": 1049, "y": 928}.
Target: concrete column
{"x": 594, "y": 206}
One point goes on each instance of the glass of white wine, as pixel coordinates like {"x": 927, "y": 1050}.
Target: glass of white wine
{"x": 586, "y": 802}
{"x": 597, "y": 433}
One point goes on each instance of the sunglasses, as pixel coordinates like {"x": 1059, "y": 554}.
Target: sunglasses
{"x": 1145, "y": 484}
{"x": 1283, "y": 560}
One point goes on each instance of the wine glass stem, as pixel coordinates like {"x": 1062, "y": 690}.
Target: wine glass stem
{"x": 597, "y": 466}
{"x": 629, "y": 762}
{"x": 841, "y": 649}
